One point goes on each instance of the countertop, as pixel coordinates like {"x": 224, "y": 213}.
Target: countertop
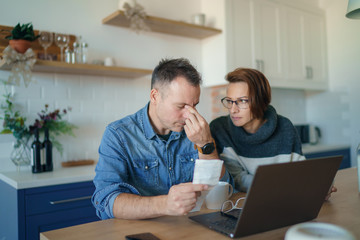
{"x": 309, "y": 148}
{"x": 27, "y": 179}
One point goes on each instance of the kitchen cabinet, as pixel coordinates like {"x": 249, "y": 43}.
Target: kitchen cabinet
{"x": 27, "y": 212}
{"x": 345, "y": 152}
{"x": 305, "y": 49}
{"x": 286, "y": 43}
{"x": 163, "y": 25}
{"x": 266, "y": 38}
{"x": 33, "y": 203}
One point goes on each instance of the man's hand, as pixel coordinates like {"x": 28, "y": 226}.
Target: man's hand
{"x": 198, "y": 132}
{"x": 197, "y": 129}
{"x": 182, "y": 198}
{"x": 332, "y": 189}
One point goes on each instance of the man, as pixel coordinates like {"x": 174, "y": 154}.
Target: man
{"x": 147, "y": 159}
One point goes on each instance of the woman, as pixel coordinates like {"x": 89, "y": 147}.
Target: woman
{"x": 253, "y": 133}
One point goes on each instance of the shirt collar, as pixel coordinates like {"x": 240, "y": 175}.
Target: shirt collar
{"x": 147, "y": 127}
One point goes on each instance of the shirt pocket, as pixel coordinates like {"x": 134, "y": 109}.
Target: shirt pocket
{"x": 187, "y": 164}
{"x": 146, "y": 173}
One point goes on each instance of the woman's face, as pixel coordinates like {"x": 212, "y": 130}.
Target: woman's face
{"x": 235, "y": 91}
{"x": 241, "y": 117}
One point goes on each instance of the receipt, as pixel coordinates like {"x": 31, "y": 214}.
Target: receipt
{"x": 206, "y": 172}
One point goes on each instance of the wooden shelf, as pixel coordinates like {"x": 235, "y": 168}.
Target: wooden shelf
{"x": 85, "y": 69}
{"x": 67, "y": 68}
{"x": 162, "y": 25}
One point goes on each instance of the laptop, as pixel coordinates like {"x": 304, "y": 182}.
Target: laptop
{"x": 280, "y": 195}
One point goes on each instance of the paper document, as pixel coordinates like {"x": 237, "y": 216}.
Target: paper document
{"x": 206, "y": 172}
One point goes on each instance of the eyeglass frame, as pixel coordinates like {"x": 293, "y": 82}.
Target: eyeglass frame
{"x": 238, "y": 102}
{"x": 233, "y": 206}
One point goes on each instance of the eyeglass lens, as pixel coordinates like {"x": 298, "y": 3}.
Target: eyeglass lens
{"x": 240, "y": 103}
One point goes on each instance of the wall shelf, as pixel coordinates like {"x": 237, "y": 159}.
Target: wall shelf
{"x": 163, "y": 25}
{"x": 85, "y": 69}
{"x": 67, "y": 68}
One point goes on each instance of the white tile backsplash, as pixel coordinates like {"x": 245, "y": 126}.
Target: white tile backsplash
{"x": 290, "y": 103}
{"x": 95, "y": 102}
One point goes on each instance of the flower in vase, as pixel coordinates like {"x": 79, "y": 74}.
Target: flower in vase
{"x": 14, "y": 123}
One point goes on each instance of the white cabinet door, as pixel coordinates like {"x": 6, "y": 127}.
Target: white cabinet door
{"x": 238, "y": 39}
{"x": 267, "y": 39}
{"x": 286, "y": 43}
{"x": 315, "y": 47}
{"x": 305, "y": 49}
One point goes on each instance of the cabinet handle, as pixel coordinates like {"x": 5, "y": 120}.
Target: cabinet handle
{"x": 311, "y": 72}
{"x": 307, "y": 72}
{"x": 262, "y": 66}
{"x": 70, "y": 200}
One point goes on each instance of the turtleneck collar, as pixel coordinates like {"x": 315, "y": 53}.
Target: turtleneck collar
{"x": 262, "y": 134}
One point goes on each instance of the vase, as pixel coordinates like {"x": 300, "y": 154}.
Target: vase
{"x": 21, "y": 154}
{"x": 20, "y": 45}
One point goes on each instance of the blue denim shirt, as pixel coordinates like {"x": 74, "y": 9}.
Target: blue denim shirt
{"x": 133, "y": 159}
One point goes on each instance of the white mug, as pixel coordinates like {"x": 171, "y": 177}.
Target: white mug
{"x": 219, "y": 194}
{"x": 199, "y": 19}
{"x": 109, "y": 62}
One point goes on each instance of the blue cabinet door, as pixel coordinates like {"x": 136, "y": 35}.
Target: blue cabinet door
{"x": 24, "y": 213}
{"x": 12, "y": 208}
{"x": 49, "y": 208}
{"x": 343, "y": 152}
{"x": 54, "y": 220}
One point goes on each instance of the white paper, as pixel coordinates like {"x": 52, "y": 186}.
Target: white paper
{"x": 206, "y": 172}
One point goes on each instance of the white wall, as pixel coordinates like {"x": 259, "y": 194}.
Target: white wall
{"x": 337, "y": 111}
{"x": 96, "y": 101}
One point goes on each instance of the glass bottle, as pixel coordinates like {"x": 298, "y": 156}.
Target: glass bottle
{"x": 84, "y": 52}
{"x": 77, "y": 50}
{"x": 47, "y": 148}
{"x": 36, "y": 153}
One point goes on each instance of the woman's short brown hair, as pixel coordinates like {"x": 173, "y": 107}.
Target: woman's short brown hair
{"x": 259, "y": 89}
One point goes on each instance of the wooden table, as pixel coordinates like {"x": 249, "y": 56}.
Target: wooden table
{"x": 342, "y": 209}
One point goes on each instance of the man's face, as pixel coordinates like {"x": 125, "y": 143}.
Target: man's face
{"x": 170, "y": 105}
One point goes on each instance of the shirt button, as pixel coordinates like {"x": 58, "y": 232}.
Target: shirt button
{"x": 170, "y": 168}
{"x": 192, "y": 160}
{"x": 146, "y": 167}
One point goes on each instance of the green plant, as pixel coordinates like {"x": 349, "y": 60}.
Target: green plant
{"x": 24, "y": 31}
{"x": 15, "y": 124}
{"x": 56, "y": 125}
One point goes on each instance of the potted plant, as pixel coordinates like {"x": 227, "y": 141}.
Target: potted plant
{"x": 21, "y": 37}
{"x": 15, "y": 123}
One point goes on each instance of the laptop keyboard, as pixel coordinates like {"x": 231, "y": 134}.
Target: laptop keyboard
{"x": 226, "y": 223}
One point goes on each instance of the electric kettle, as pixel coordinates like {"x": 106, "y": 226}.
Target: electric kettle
{"x": 314, "y": 134}
{"x": 308, "y": 133}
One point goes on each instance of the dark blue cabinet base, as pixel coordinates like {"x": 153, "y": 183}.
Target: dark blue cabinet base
{"x": 343, "y": 152}
{"x": 24, "y": 213}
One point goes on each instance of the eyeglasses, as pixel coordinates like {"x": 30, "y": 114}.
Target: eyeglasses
{"x": 228, "y": 205}
{"x": 240, "y": 103}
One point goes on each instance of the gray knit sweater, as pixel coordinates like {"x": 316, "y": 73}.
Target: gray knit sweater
{"x": 275, "y": 141}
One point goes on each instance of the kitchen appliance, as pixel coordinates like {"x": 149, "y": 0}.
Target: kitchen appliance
{"x": 308, "y": 133}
